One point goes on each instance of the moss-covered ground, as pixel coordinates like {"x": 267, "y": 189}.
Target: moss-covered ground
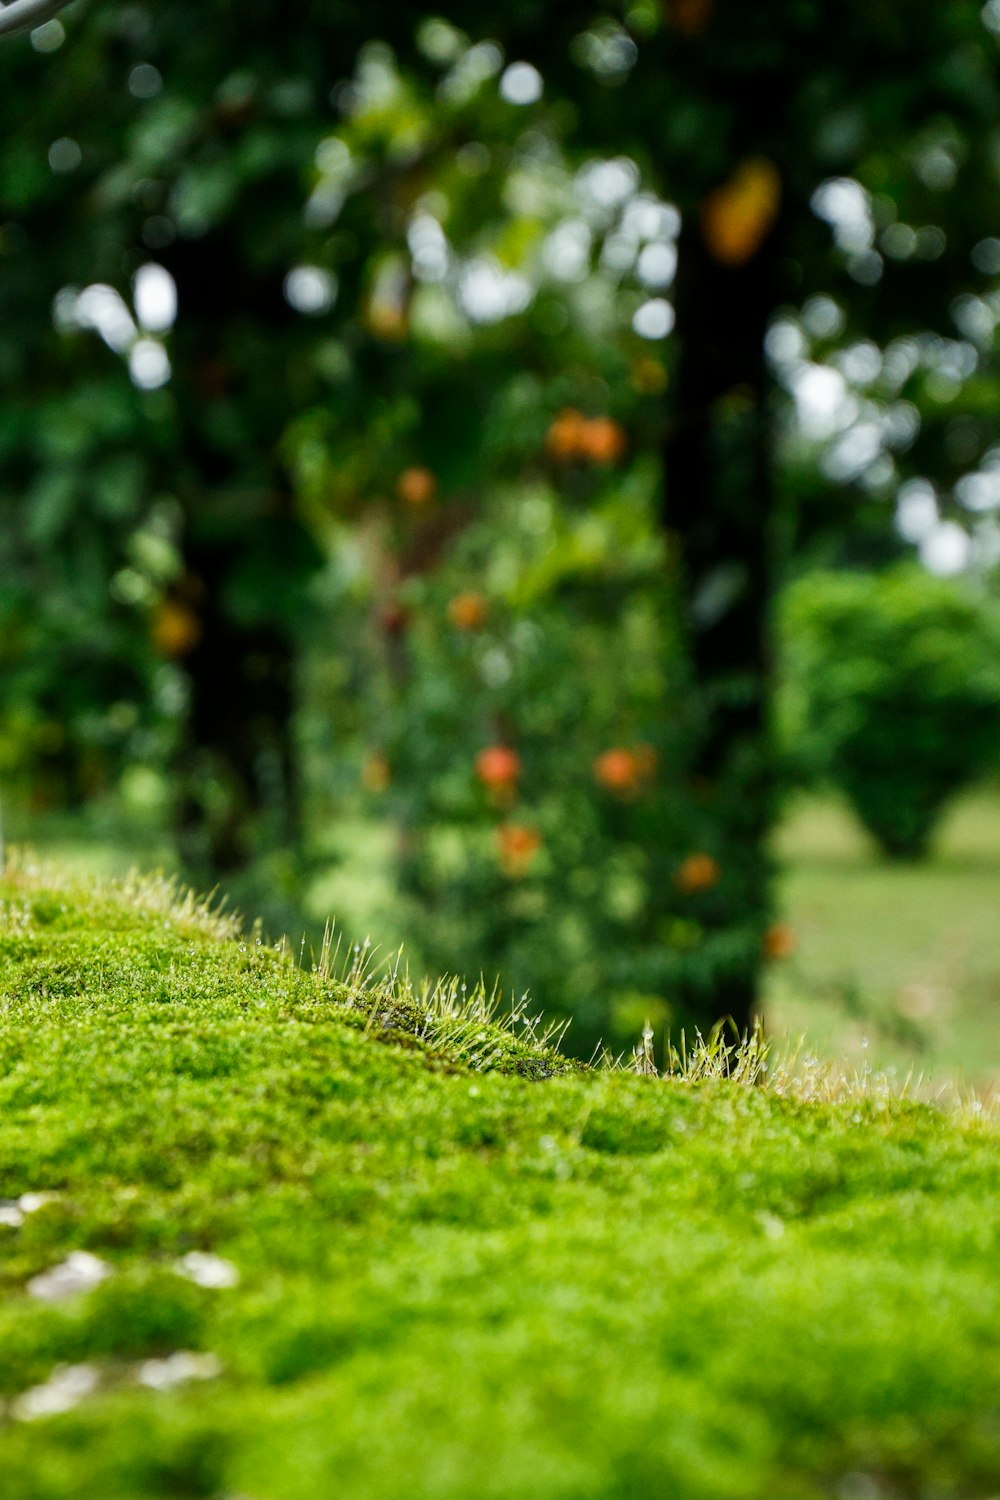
{"x": 441, "y": 1263}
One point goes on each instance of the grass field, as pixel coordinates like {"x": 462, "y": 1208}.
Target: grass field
{"x": 905, "y": 957}
{"x": 272, "y": 1235}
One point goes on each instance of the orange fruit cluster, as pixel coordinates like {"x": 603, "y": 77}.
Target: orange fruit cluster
{"x": 699, "y": 872}
{"x": 572, "y": 436}
{"x": 416, "y": 486}
{"x": 467, "y": 611}
{"x": 623, "y": 770}
{"x": 518, "y": 845}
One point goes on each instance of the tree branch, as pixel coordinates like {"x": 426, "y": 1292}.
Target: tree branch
{"x": 21, "y": 14}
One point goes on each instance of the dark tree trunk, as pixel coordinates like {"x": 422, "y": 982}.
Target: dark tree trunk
{"x": 246, "y": 558}
{"x": 237, "y": 770}
{"x": 719, "y": 506}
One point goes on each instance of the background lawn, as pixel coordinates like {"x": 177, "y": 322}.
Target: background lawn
{"x": 905, "y": 956}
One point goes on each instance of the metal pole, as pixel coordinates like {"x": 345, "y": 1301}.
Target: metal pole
{"x": 21, "y": 15}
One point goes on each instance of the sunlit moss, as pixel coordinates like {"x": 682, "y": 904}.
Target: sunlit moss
{"x": 452, "y": 1264}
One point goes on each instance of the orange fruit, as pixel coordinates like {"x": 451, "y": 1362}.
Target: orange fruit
{"x": 699, "y": 872}
{"x": 617, "y": 770}
{"x": 467, "y": 611}
{"x": 622, "y": 770}
{"x": 518, "y": 846}
{"x": 416, "y": 486}
{"x": 739, "y": 215}
{"x": 498, "y": 766}
{"x": 563, "y": 438}
{"x": 602, "y": 440}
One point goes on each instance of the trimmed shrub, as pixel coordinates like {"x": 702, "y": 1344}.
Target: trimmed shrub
{"x": 892, "y": 693}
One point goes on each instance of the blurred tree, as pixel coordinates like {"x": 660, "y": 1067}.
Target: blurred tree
{"x": 762, "y": 121}
{"x": 396, "y": 265}
{"x": 781, "y": 123}
{"x": 192, "y": 164}
{"x": 893, "y": 693}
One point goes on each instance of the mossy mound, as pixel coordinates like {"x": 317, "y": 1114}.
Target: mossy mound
{"x": 336, "y": 1241}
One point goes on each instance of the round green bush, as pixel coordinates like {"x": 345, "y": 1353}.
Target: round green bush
{"x": 892, "y": 693}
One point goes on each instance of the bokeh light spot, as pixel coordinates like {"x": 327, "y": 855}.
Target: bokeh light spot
{"x": 521, "y": 83}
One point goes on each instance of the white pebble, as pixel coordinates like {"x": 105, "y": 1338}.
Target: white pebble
{"x": 79, "y": 1272}
{"x": 30, "y": 1203}
{"x": 65, "y": 1387}
{"x": 207, "y": 1270}
{"x": 162, "y": 1374}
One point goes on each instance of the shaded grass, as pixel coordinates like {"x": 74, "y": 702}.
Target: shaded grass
{"x": 466, "y": 1267}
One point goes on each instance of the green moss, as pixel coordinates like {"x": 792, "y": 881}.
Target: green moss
{"x": 467, "y": 1269}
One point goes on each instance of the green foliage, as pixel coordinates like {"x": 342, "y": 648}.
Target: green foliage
{"x": 894, "y": 693}
{"x": 603, "y": 1284}
{"x": 544, "y": 635}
